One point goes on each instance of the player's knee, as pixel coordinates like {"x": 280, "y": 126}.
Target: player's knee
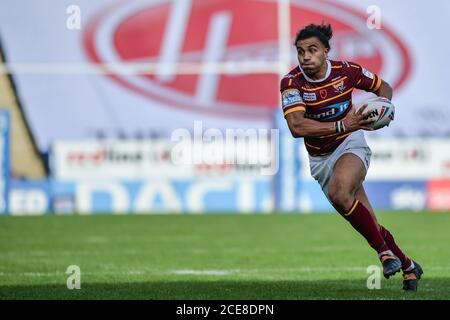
{"x": 341, "y": 198}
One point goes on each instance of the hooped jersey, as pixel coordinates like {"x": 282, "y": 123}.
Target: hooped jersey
{"x": 326, "y": 100}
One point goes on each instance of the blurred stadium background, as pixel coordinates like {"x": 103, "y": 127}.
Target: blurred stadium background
{"x": 91, "y": 93}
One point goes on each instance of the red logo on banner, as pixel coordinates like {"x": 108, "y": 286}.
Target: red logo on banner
{"x": 439, "y": 195}
{"x": 223, "y": 31}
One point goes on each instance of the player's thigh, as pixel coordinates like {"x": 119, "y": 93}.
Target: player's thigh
{"x": 348, "y": 174}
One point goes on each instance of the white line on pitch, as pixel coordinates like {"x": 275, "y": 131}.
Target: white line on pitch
{"x": 204, "y": 272}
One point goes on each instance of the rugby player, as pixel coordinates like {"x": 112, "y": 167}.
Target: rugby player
{"x": 317, "y": 105}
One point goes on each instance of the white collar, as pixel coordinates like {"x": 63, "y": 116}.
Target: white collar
{"x": 327, "y": 74}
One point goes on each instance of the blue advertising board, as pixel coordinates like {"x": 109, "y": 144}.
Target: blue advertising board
{"x": 4, "y": 160}
{"x": 287, "y": 179}
{"x": 158, "y": 196}
{"x": 30, "y": 197}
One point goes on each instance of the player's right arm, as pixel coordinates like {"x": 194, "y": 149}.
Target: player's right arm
{"x": 294, "y": 111}
{"x": 304, "y": 127}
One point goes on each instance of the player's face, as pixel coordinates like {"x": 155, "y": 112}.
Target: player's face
{"x": 312, "y": 55}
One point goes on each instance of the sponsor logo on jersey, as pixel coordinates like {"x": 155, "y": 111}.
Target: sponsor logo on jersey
{"x": 330, "y": 112}
{"x": 291, "y": 97}
{"x": 309, "y": 96}
{"x": 367, "y": 73}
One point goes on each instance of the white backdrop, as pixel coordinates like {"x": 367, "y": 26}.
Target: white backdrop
{"x": 69, "y": 105}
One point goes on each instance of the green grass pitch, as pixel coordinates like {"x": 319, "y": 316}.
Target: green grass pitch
{"x": 317, "y": 256}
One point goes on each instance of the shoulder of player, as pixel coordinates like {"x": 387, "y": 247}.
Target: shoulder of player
{"x": 291, "y": 79}
{"x": 346, "y": 68}
{"x": 345, "y": 65}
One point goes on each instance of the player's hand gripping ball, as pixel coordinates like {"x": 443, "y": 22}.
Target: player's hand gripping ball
{"x": 381, "y": 111}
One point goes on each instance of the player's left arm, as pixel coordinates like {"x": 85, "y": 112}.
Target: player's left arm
{"x": 385, "y": 90}
{"x": 370, "y": 82}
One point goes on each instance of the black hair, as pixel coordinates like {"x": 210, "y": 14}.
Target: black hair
{"x": 323, "y": 32}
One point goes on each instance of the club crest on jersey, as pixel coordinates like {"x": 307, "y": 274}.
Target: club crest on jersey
{"x": 330, "y": 113}
{"x": 309, "y": 96}
{"x": 323, "y": 93}
{"x": 291, "y": 97}
{"x": 339, "y": 87}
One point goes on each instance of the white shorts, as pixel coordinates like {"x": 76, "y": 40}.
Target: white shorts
{"x": 322, "y": 167}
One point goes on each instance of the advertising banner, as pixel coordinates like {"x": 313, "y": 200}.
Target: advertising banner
{"x": 248, "y": 153}
{"x": 439, "y": 195}
{"x": 30, "y": 197}
{"x": 395, "y": 159}
{"x": 4, "y": 160}
{"x": 56, "y": 63}
{"x": 245, "y": 195}
{"x": 409, "y": 159}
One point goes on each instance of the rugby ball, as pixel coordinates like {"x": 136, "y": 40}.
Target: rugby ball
{"x": 381, "y": 110}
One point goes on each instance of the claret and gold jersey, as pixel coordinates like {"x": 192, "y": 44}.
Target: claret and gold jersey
{"x": 328, "y": 99}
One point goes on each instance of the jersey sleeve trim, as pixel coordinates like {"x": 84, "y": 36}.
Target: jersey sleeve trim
{"x": 299, "y": 107}
{"x": 378, "y": 85}
{"x": 372, "y": 84}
